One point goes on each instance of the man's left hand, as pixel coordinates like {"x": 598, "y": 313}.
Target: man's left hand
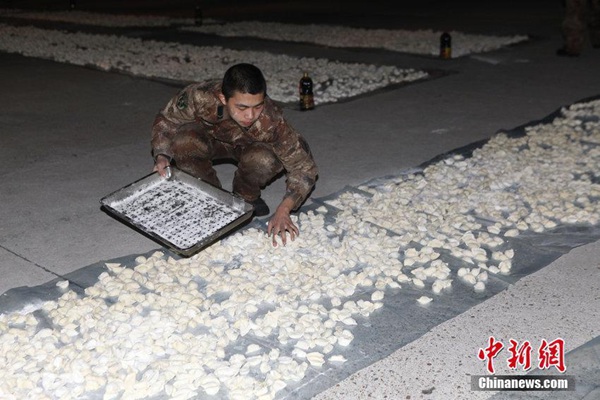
{"x": 281, "y": 224}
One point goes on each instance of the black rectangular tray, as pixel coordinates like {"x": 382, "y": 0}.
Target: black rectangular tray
{"x": 181, "y": 212}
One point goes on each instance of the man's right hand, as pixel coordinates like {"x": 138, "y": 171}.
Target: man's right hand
{"x": 160, "y": 164}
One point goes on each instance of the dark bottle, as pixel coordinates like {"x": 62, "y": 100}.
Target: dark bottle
{"x": 198, "y": 16}
{"x": 307, "y": 101}
{"x": 445, "y": 46}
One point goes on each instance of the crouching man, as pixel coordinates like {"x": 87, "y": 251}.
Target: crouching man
{"x": 235, "y": 120}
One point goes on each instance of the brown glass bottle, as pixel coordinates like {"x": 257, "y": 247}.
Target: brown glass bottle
{"x": 198, "y": 16}
{"x": 305, "y": 87}
{"x": 445, "y": 46}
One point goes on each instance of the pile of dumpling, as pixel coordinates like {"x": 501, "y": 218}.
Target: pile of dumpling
{"x": 243, "y": 319}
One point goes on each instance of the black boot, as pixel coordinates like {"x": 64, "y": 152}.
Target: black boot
{"x": 260, "y": 207}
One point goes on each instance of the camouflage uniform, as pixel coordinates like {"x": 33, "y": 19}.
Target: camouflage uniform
{"x": 576, "y": 21}
{"x": 194, "y": 129}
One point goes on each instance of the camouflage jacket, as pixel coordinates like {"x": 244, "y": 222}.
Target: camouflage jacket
{"x": 199, "y": 102}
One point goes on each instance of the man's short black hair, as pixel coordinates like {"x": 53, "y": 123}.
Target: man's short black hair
{"x": 243, "y": 78}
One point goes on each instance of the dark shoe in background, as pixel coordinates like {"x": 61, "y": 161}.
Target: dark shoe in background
{"x": 564, "y": 52}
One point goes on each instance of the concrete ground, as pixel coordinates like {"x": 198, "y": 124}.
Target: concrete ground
{"x": 71, "y": 135}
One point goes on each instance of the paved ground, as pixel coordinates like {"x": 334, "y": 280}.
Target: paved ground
{"x": 71, "y": 135}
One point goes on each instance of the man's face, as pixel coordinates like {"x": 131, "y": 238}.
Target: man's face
{"x": 244, "y": 108}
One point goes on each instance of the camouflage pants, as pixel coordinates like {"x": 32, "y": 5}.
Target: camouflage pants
{"x": 194, "y": 152}
{"x": 579, "y": 15}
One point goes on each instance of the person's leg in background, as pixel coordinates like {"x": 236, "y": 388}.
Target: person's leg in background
{"x": 573, "y": 28}
{"x": 594, "y": 23}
